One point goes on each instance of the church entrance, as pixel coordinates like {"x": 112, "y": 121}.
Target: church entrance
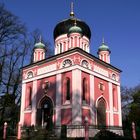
{"x": 101, "y": 113}
{"x": 45, "y": 113}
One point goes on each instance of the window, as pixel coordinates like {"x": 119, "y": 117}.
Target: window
{"x": 29, "y": 98}
{"x": 67, "y": 63}
{"x": 85, "y": 64}
{"x": 84, "y": 89}
{"x": 113, "y": 76}
{"x": 68, "y": 89}
{"x": 60, "y": 47}
{"x": 30, "y": 74}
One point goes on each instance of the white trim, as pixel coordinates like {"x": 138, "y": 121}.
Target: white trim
{"x": 119, "y": 105}
{"x": 76, "y": 97}
{"x": 33, "y": 117}
{"x": 55, "y": 72}
{"x": 92, "y": 100}
{"x": 58, "y": 99}
{"x": 22, "y": 104}
{"x": 111, "y": 104}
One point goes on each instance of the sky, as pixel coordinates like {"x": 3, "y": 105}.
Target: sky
{"x": 118, "y": 21}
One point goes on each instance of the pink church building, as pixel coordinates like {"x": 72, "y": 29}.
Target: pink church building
{"x": 72, "y": 85}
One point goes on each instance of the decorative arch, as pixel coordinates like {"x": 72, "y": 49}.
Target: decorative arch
{"x": 45, "y": 112}
{"x": 101, "y": 112}
{"x": 66, "y": 62}
{"x": 107, "y": 106}
{"x": 85, "y": 63}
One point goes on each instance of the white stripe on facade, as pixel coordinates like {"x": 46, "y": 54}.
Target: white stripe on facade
{"x": 76, "y": 97}
{"x": 111, "y": 104}
{"x": 92, "y": 93}
{"x": 119, "y": 106}
{"x": 58, "y": 99}
{"x": 69, "y": 69}
{"x": 22, "y": 104}
{"x": 33, "y": 117}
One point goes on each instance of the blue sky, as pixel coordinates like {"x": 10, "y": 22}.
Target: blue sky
{"x": 118, "y": 21}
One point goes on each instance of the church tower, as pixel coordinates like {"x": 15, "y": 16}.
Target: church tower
{"x": 104, "y": 52}
{"x": 71, "y": 33}
{"x": 39, "y": 51}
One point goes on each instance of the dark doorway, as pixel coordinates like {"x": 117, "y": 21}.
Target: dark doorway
{"x": 45, "y": 113}
{"x": 101, "y": 112}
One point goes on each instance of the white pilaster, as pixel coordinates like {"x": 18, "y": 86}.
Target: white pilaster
{"x": 76, "y": 97}
{"x": 111, "y": 105}
{"x": 58, "y": 99}
{"x": 34, "y": 92}
{"x": 22, "y": 104}
{"x": 119, "y": 105}
{"x": 92, "y": 99}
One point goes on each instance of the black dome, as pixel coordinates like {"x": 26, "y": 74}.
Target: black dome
{"x": 63, "y": 27}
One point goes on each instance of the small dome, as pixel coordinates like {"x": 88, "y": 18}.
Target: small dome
{"x": 75, "y": 29}
{"x": 39, "y": 45}
{"x": 103, "y": 47}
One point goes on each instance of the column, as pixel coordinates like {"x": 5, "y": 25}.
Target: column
{"x": 22, "y": 104}
{"x": 34, "y": 92}
{"x": 119, "y": 106}
{"x": 76, "y": 97}
{"x": 92, "y": 100}
{"x": 111, "y": 105}
{"x": 58, "y": 99}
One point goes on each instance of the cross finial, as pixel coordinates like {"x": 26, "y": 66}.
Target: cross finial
{"x": 71, "y": 12}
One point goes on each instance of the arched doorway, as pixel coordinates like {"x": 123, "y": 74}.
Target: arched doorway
{"x": 101, "y": 112}
{"x": 45, "y": 112}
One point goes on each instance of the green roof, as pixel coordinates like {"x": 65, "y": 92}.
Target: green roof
{"x": 39, "y": 45}
{"x": 75, "y": 29}
{"x": 103, "y": 47}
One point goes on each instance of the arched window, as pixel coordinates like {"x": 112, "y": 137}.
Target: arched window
{"x": 85, "y": 64}
{"x": 67, "y": 88}
{"x": 67, "y": 63}
{"x": 114, "y": 99}
{"x": 30, "y": 74}
{"x": 60, "y": 47}
{"x": 84, "y": 89}
{"x": 30, "y": 96}
{"x": 101, "y": 112}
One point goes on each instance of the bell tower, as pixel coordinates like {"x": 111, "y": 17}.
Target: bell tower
{"x": 39, "y": 51}
{"x": 104, "y": 52}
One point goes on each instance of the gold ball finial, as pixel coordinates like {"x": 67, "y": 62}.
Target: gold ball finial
{"x": 71, "y": 12}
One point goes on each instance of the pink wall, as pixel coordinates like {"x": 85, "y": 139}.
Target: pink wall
{"x": 66, "y": 116}
{"x": 27, "y": 119}
{"x": 116, "y": 120}
{"x": 86, "y": 113}
{"x": 51, "y": 91}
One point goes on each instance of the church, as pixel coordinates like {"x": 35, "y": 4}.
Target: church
{"x": 72, "y": 86}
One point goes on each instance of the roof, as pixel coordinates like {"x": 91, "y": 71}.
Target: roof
{"x": 64, "y": 26}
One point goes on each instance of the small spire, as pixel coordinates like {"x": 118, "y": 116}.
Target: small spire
{"x": 75, "y": 23}
{"x": 71, "y": 12}
{"x": 40, "y": 38}
{"x": 103, "y": 40}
